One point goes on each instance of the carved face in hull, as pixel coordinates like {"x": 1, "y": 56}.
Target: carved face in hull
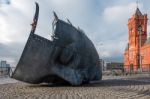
{"x": 71, "y": 57}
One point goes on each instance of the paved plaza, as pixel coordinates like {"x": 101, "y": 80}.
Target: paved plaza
{"x": 106, "y": 89}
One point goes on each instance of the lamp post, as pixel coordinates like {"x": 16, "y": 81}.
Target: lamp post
{"x": 99, "y": 48}
{"x": 101, "y": 61}
{"x": 140, "y": 42}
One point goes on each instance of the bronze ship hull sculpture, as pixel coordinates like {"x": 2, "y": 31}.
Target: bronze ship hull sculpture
{"x": 69, "y": 58}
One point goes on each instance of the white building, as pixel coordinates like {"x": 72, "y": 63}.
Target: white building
{"x": 4, "y": 68}
{"x": 4, "y": 64}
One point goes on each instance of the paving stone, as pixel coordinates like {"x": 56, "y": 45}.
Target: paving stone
{"x": 106, "y": 89}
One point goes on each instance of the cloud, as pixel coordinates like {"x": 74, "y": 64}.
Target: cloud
{"x": 4, "y": 1}
{"x": 10, "y": 52}
{"x": 10, "y": 22}
{"x": 103, "y": 22}
{"x": 15, "y": 22}
{"x": 119, "y": 13}
{"x": 113, "y": 31}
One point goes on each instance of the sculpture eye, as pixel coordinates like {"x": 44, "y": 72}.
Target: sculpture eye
{"x": 66, "y": 56}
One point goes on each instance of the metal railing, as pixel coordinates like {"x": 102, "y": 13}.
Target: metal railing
{"x": 144, "y": 68}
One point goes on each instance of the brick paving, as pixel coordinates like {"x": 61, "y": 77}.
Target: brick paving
{"x": 106, "y": 89}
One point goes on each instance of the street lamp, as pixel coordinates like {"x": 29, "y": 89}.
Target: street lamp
{"x": 100, "y": 58}
{"x": 140, "y": 42}
{"x": 100, "y": 44}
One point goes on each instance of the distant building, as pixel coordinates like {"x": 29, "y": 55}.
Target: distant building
{"x": 4, "y": 64}
{"x": 4, "y": 68}
{"x": 114, "y": 66}
{"x": 137, "y": 52}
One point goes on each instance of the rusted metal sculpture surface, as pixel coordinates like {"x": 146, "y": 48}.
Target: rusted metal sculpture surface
{"x": 69, "y": 58}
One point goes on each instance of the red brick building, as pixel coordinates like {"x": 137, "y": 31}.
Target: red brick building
{"x": 137, "y": 52}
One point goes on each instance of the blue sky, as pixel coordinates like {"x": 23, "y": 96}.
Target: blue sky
{"x": 104, "y": 22}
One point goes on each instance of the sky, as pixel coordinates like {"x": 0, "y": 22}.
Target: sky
{"x": 104, "y": 22}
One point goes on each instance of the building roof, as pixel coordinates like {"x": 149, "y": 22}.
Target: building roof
{"x": 138, "y": 12}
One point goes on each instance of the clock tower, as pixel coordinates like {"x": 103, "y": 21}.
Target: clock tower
{"x": 137, "y": 26}
{"x": 137, "y": 36}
